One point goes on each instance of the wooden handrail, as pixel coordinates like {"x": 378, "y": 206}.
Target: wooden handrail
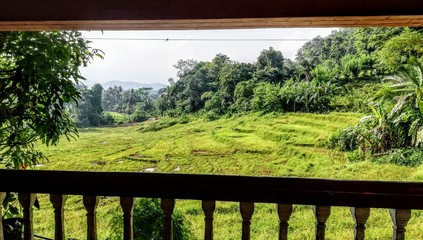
{"x": 306, "y": 191}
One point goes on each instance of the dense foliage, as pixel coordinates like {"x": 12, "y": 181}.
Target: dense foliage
{"x": 148, "y": 222}
{"x": 340, "y": 72}
{"x": 322, "y": 78}
{"x": 39, "y": 72}
{"x": 376, "y": 71}
{"x": 394, "y": 129}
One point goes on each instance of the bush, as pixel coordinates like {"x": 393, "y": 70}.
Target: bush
{"x": 183, "y": 119}
{"x": 410, "y": 157}
{"x": 148, "y": 222}
{"x": 210, "y": 116}
{"x": 106, "y": 119}
{"x": 139, "y": 116}
{"x": 344, "y": 140}
{"x": 356, "y": 156}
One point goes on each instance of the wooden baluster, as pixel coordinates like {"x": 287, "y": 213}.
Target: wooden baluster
{"x": 284, "y": 212}
{"x": 322, "y": 214}
{"x": 400, "y": 218}
{"x": 167, "y": 206}
{"x": 247, "y": 210}
{"x": 360, "y": 216}
{"x": 27, "y": 201}
{"x": 90, "y": 204}
{"x": 2, "y": 197}
{"x": 127, "y": 204}
{"x": 58, "y": 201}
{"x": 208, "y": 208}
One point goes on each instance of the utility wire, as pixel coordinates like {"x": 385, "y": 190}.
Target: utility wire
{"x": 206, "y": 39}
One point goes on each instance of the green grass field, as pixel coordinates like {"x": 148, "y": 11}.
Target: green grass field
{"x": 261, "y": 145}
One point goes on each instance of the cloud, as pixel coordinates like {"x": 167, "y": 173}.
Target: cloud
{"x": 130, "y": 58}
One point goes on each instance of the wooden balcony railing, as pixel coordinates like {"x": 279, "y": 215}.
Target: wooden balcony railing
{"x": 399, "y": 197}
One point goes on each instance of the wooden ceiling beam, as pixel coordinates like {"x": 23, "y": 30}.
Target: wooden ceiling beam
{"x": 205, "y": 14}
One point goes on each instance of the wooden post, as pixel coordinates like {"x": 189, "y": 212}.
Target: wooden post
{"x": 400, "y": 218}
{"x": 360, "y": 216}
{"x": 27, "y": 201}
{"x": 90, "y": 204}
{"x": 208, "y": 208}
{"x": 284, "y": 213}
{"x": 247, "y": 210}
{"x": 58, "y": 202}
{"x": 167, "y": 206}
{"x": 127, "y": 204}
{"x": 322, "y": 214}
{"x": 2, "y": 197}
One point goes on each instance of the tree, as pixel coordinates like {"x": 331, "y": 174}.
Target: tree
{"x": 229, "y": 76}
{"x": 406, "y": 88}
{"x": 309, "y": 56}
{"x": 270, "y": 66}
{"x": 88, "y": 110}
{"x": 270, "y": 58}
{"x": 111, "y": 98}
{"x": 96, "y": 92}
{"x": 39, "y": 72}
{"x": 398, "y": 50}
{"x": 242, "y": 95}
{"x": 405, "y": 97}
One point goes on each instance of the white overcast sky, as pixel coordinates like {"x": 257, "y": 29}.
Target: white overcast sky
{"x": 151, "y": 61}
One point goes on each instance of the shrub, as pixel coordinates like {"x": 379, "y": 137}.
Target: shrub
{"x": 410, "y": 157}
{"x": 210, "y": 116}
{"x": 139, "y": 116}
{"x": 148, "y": 222}
{"x": 344, "y": 140}
{"x": 356, "y": 156}
{"x": 183, "y": 119}
{"x": 106, "y": 119}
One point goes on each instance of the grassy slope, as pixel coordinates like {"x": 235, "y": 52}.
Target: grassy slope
{"x": 271, "y": 145}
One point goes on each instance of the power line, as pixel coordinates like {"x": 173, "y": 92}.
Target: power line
{"x": 206, "y": 39}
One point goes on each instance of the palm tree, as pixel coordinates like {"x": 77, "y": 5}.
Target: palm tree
{"x": 404, "y": 97}
{"x": 406, "y": 89}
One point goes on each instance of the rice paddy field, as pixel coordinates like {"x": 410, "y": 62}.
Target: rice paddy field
{"x": 288, "y": 145}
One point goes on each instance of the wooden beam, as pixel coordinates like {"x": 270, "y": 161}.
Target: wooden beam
{"x": 205, "y": 14}
{"x": 323, "y": 192}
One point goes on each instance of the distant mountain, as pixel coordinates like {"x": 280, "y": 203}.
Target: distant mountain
{"x": 134, "y": 85}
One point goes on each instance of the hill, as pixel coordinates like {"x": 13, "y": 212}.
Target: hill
{"x": 128, "y": 85}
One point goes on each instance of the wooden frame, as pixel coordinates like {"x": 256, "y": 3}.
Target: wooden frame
{"x": 205, "y": 14}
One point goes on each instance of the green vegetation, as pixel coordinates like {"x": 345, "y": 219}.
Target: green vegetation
{"x": 350, "y": 106}
{"x": 148, "y": 221}
{"x": 169, "y": 143}
{"x": 394, "y": 130}
{"x": 38, "y": 73}
{"x": 291, "y": 144}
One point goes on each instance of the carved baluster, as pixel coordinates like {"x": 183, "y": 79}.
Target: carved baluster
{"x": 208, "y": 208}
{"x": 322, "y": 214}
{"x": 247, "y": 210}
{"x": 284, "y": 212}
{"x": 27, "y": 201}
{"x": 167, "y": 206}
{"x": 127, "y": 204}
{"x": 360, "y": 216}
{"x": 400, "y": 218}
{"x": 90, "y": 204}
{"x": 58, "y": 202}
{"x": 2, "y": 197}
